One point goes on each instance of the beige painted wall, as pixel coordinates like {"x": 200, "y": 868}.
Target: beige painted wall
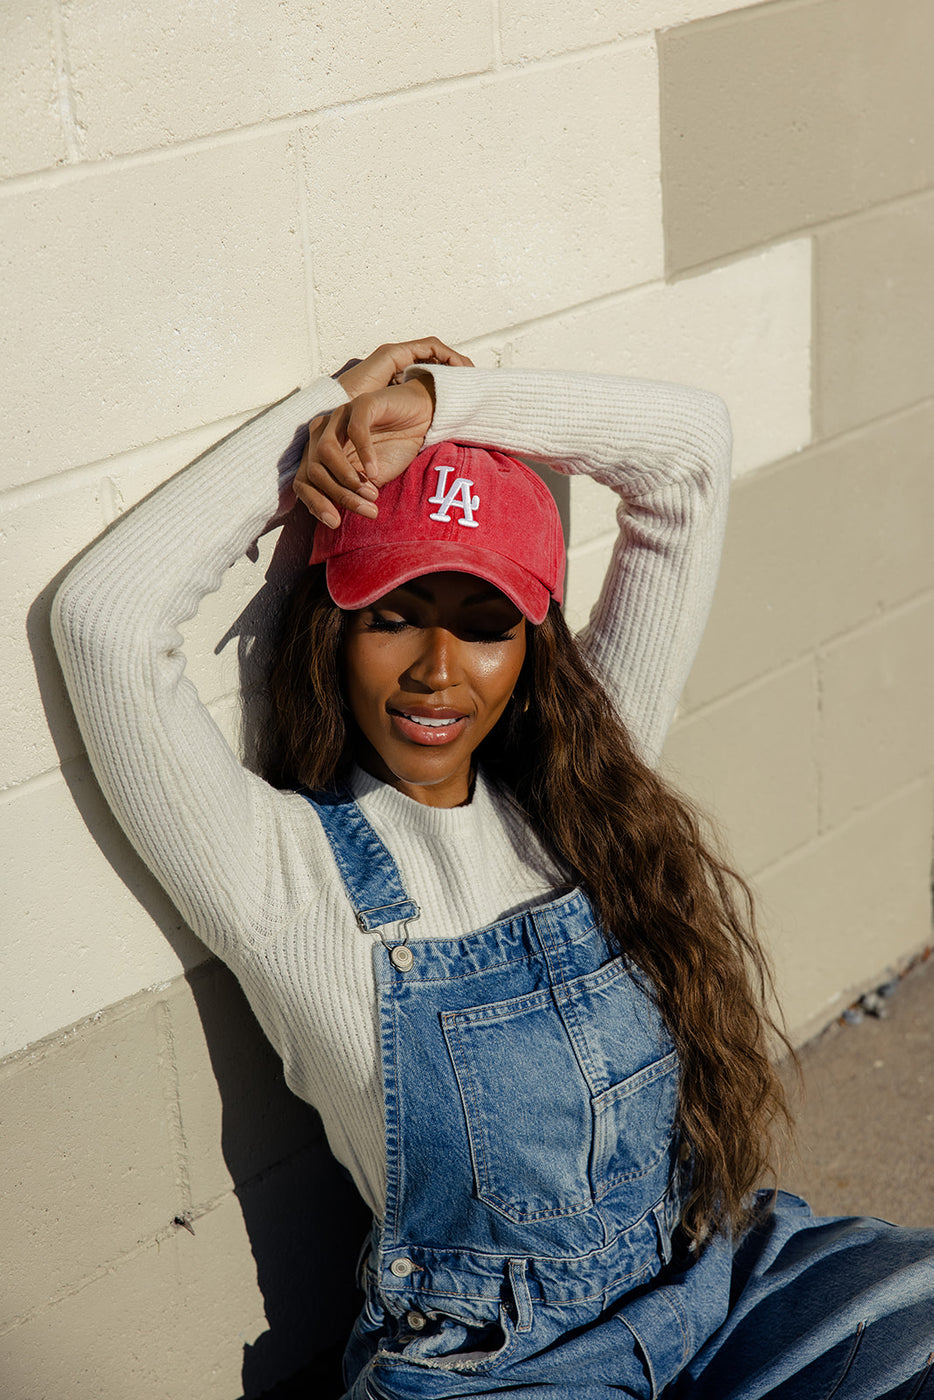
{"x": 202, "y": 206}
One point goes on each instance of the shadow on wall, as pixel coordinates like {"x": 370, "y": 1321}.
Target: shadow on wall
{"x": 304, "y": 1218}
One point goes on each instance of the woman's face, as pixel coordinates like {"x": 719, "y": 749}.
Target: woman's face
{"x": 428, "y": 670}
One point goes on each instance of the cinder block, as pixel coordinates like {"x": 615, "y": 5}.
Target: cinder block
{"x": 750, "y": 761}
{"x": 238, "y": 1117}
{"x": 41, "y": 531}
{"x": 86, "y": 1157}
{"x": 593, "y": 510}
{"x": 587, "y": 566}
{"x": 485, "y": 353}
{"x": 38, "y": 538}
{"x": 533, "y": 31}
{"x": 156, "y": 75}
{"x": 29, "y": 112}
{"x": 522, "y": 194}
{"x": 263, "y": 1285}
{"x": 213, "y": 635}
{"x": 132, "y": 475}
{"x": 742, "y": 331}
{"x": 850, "y": 905}
{"x": 874, "y": 343}
{"x": 780, "y": 116}
{"x": 817, "y": 545}
{"x": 877, "y": 710}
{"x": 85, "y": 923}
{"x": 146, "y": 300}
{"x": 169, "y": 1321}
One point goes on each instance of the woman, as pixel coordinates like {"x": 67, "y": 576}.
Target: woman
{"x": 488, "y": 943}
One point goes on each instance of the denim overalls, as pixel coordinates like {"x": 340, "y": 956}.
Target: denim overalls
{"x": 530, "y": 1244}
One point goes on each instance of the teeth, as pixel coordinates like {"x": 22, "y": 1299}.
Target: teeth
{"x": 431, "y": 723}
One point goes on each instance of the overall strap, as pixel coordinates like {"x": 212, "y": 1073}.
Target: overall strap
{"x": 370, "y": 875}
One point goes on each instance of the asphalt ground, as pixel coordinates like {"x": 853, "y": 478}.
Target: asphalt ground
{"x": 865, "y": 1124}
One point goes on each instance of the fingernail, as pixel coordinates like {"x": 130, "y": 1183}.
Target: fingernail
{"x": 368, "y": 509}
{"x": 331, "y": 519}
{"x": 367, "y": 490}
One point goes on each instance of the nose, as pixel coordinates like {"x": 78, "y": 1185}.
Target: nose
{"x": 436, "y": 667}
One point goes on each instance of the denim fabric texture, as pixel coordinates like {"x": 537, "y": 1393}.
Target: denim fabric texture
{"x": 530, "y": 1243}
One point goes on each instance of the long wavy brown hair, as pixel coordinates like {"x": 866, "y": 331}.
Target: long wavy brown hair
{"x": 670, "y": 902}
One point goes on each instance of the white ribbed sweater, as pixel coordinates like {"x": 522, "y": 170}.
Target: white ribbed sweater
{"x": 249, "y": 867}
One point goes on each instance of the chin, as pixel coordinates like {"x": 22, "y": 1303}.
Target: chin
{"x": 419, "y": 776}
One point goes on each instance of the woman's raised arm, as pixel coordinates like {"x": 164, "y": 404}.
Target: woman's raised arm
{"x": 204, "y": 825}
{"x": 664, "y": 450}
{"x": 173, "y": 783}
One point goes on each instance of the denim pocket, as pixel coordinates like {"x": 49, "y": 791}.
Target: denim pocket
{"x": 450, "y": 1345}
{"x": 565, "y": 1093}
{"x": 633, "y": 1123}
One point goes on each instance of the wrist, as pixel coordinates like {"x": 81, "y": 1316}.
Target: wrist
{"x": 425, "y": 380}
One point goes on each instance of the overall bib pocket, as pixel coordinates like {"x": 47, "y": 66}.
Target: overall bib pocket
{"x": 553, "y": 1139}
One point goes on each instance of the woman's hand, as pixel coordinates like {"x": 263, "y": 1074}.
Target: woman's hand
{"x": 361, "y": 447}
{"x": 371, "y": 440}
{"x": 388, "y": 363}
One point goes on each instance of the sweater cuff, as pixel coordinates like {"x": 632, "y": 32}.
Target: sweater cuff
{"x": 473, "y": 405}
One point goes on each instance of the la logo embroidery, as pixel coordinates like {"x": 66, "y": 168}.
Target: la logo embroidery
{"x": 458, "y": 496}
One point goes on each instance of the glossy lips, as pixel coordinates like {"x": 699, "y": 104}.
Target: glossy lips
{"x": 428, "y": 724}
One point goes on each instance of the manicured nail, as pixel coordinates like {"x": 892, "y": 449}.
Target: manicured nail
{"x": 368, "y": 491}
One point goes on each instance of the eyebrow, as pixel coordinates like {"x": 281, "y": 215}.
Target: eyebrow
{"x": 426, "y": 596}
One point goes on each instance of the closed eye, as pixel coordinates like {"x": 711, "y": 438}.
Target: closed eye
{"x": 477, "y": 636}
{"x": 377, "y": 623}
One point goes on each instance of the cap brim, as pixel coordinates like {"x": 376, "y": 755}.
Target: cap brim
{"x": 360, "y": 577}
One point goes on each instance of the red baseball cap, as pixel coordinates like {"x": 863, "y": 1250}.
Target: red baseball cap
{"x": 457, "y": 508}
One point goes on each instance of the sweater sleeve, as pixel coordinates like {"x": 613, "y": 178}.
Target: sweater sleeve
{"x": 664, "y": 450}
{"x": 191, "y": 810}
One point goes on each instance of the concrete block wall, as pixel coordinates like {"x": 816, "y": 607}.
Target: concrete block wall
{"x": 202, "y": 207}
{"x": 811, "y": 122}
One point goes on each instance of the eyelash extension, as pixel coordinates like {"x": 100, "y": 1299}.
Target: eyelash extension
{"x": 384, "y": 624}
